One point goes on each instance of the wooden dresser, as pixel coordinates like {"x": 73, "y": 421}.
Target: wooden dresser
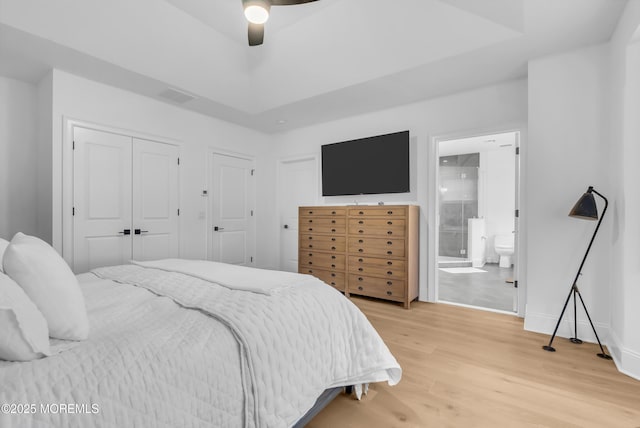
{"x": 365, "y": 250}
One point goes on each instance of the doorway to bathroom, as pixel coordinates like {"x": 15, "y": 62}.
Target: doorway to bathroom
{"x": 477, "y": 196}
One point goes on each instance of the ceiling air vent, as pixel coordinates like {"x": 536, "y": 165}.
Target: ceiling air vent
{"x": 176, "y": 96}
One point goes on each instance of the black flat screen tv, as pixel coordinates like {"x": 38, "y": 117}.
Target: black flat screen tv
{"x": 366, "y": 166}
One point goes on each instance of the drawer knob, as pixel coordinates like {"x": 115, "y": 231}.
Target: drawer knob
{"x": 310, "y": 263}
{"x": 311, "y": 237}
{"x": 389, "y": 233}
{"x": 360, "y": 260}
{"x": 310, "y": 246}
{"x": 389, "y": 273}
{"x": 361, "y": 213}
{"x": 310, "y": 270}
{"x": 360, "y": 241}
{"x": 389, "y": 263}
{"x": 360, "y": 288}
{"x": 361, "y": 231}
{"x": 311, "y": 229}
{"x": 360, "y": 269}
{"x": 389, "y": 242}
{"x": 310, "y": 212}
{"x": 361, "y": 222}
{"x": 390, "y": 212}
{"x": 333, "y": 257}
{"x": 389, "y": 293}
{"x": 333, "y": 274}
{"x": 333, "y": 248}
{"x": 333, "y": 283}
{"x": 310, "y": 221}
{"x": 360, "y": 278}
{"x": 333, "y": 222}
{"x": 310, "y": 254}
{"x": 390, "y": 253}
{"x": 389, "y": 283}
{"x": 333, "y": 230}
{"x": 333, "y": 212}
{"x": 389, "y": 223}
{"x": 360, "y": 250}
{"x": 333, "y": 239}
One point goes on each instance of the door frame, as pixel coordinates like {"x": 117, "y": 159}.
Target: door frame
{"x": 288, "y": 159}
{"x": 64, "y": 229}
{"x": 520, "y": 222}
{"x": 211, "y": 151}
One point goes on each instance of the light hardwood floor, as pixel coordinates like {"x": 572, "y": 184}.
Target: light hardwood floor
{"x": 470, "y": 368}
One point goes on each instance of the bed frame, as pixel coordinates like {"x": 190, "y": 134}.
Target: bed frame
{"x": 325, "y": 398}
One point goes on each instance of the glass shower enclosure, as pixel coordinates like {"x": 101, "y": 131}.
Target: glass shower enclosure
{"x": 458, "y": 203}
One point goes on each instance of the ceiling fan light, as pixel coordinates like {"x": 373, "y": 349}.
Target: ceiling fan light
{"x": 256, "y": 13}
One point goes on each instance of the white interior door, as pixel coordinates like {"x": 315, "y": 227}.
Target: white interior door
{"x": 298, "y": 186}
{"x": 102, "y": 199}
{"x": 155, "y": 200}
{"x": 232, "y": 235}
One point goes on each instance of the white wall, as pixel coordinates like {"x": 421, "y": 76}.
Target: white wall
{"x": 624, "y": 340}
{"x": 567, "y": 152}
{"x": 455, "y": 114}
{"x": 45, "y": 184}
{"x": 18, "y": 157}
{"x": 84, "y": 100}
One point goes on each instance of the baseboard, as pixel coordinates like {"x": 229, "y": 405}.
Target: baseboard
{"x": 544, "y": 323}
{"x": 627, "y": 361}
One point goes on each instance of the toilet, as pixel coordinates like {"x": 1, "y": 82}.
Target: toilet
{"x": 503, "y": 245}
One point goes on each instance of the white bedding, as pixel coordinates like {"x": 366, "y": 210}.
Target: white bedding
{"x": 241, "y": 359}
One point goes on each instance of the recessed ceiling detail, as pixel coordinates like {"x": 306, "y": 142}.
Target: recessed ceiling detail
{"x": 323, "y": 60}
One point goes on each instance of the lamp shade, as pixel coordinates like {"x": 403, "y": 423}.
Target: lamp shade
{"x": 585, "y": 207}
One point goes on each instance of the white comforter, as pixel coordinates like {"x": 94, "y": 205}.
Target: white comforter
{"x": 287, "y": 345}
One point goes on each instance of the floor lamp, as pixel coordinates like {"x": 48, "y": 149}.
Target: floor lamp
{"x": 585, "y": 208}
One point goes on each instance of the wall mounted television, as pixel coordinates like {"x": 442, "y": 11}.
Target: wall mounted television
{"x": 366, "y": 166}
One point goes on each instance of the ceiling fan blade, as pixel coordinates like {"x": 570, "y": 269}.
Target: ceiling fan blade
{"x": 289, "y": 2}
{"x": 256, "y": 34}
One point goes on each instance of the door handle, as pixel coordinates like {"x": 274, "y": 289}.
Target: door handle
{"x": 138, "y": 231}
{"x": 217, "y": 229}
{"x": 125, "y": 232}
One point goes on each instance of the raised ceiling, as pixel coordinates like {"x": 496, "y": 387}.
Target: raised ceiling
{"x": 320, "y": 61}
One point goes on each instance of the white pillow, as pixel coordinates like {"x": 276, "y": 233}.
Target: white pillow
{"x": 50, "y": 284}
{"x": 3, "y": 246}
{"x": 25, "y": 334}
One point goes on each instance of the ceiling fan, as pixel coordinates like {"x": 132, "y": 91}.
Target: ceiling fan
{"x": 257, "y": 13}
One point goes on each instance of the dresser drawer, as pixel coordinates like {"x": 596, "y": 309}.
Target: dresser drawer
{"x": 387, "y": 268}
{"x": 377, "y": 227}
{"x": 376, "y": 246}
{"x": 389, "y": 211}
{"x": 321, "y": 211}
{"x": 335, "y": 279}
{"x": 323, "y": 243}
{"x": 377, "y": 287}
{"x": 308, "y": 259}
{"x": 328, "y": 229}
{"x": 322, "y": 221}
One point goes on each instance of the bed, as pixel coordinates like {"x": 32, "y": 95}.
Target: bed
{"x": 194, "y": 343}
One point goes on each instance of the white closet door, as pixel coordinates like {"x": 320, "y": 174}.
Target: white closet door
{"x": 232, "y": 196}
{"x": 102, "y": 199}
{"x": 155, "y": 200}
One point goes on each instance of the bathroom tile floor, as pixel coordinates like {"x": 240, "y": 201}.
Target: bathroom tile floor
{"x": 484, "y": 289}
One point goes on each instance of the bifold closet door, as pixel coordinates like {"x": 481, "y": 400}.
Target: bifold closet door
{"x": 125, "y": 199}
{"x": 155, "y": 200}
{"x": 102, "y": 233}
